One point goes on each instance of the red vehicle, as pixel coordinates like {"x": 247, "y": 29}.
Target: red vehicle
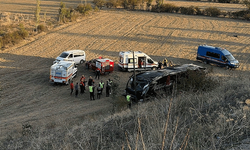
{"x": 104, "y": 64}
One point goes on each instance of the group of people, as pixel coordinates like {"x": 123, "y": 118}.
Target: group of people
{"x": 91, "y": 86}
{"x": 164, "y": 63}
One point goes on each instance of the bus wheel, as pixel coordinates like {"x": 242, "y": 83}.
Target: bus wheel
{"x": 82, "y": 61}
{"x": 153, "y": 68}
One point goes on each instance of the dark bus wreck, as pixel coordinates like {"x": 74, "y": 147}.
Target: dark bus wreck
{"x": 149, "y": 82}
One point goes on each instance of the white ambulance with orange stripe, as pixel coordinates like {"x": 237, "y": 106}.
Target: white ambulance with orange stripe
{"x": 63, "y": 72}
{"x": 142, "y": 61}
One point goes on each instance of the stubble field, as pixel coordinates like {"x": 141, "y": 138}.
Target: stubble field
{"x": 26, "y": 96}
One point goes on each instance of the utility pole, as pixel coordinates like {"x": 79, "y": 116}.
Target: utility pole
{"x": 134, "y": 75}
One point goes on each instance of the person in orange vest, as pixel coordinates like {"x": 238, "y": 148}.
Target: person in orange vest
{"x": 98, "y": 72}
{"x": 82, "y": 78}
{"x": 71, "y": 87}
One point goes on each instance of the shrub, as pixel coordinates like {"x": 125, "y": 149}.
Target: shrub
{"x": 84, "y": 9}
{"x": 212, "y": 11}
{"x": 224, "y": 1}
{"x": 195, "y": 81}
{"x": 22, "y": 31}
{"x": 168, "y": 8}
{"x": 99, "y": 3}
{"x": 149, "y": 3}
{"x": 41, "y": 28}
{"x": 247, "y": 16}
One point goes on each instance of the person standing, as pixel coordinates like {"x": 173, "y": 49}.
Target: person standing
{"x": 110, "y": 82}
{"x": 101, "y": 85}
{"x": 71, "y": 87}
{"x": 165, "y": 62}
{"x": 76, "y": 89}
{"x": 107, "y": 89}
{"x": 91, "y": 92}
{"x": 98, "y": 72}
{"x": 159, "y": 65}
{"x": 99, "y": 90}
{"x": 91, "y": 81}
{"x": 128, "y": 98}
{"x": 81, "y": 87}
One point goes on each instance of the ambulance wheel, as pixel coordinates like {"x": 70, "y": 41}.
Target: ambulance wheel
{"x": 153, "y": 68}
{"x": 82, "y": 61}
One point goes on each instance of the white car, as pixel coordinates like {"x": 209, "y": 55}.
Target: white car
{"x": 78, "y": 56}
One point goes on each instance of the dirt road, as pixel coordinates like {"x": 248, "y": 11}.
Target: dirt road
{"x": 26, "y": 96}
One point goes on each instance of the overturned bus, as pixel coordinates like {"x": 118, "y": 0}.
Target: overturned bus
{"x": 148, "y": 83}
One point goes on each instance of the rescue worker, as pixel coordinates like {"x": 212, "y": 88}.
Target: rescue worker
{"x": 110, "y": 85}
{"x": 82, "y": 87}
{"x": 76, "y": 89}
{"x": 101, "y": 85}
{"x": 128, "y": 98}
{"x": 91, "y": 92}
{"x": 98, "y": 72}
{"x": 91, "y": 81}
{"x": 165, "y": 62}
{"x": 107, "y": 89}
{"x": 71, "y": 87}
{"x": 159, "y": 65}
{"x": 99, "y": 90}
{"x": 140, "y": 63}
{"x": 82, "y": 78}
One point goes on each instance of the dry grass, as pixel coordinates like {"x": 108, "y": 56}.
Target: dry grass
{"x": 210, "y": 120}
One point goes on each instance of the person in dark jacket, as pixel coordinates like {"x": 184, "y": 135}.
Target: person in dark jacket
{"x": 76, "y": 89}
{"x": 91, "y": 81}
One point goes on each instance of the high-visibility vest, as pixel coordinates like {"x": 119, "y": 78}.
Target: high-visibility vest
{"x": 90, "y": 88}
{"x": 128, "y": 98}
{"x": 101, "y": 84}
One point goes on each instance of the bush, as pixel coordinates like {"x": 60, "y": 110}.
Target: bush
{"x": 247, "y": 16}
{"x": 190, "y": 10}
{"x": 22, "y": 31}
{"x": 212, "y": 11}
{"x": 113, "y": 3}
{"x": 41, "y": 28}
{"x": 99, "y": 3}
{"x": 84, "y": 9}
{"x": 168, "y": 8}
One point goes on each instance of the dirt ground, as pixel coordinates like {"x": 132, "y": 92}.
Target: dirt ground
{"x": 26, "y": 96}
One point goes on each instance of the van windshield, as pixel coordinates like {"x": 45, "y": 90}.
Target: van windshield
{"x": 230, "y": 57}
{"x": 64, "y": 55}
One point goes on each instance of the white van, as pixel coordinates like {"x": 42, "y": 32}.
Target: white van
{"x": 78, "y": 56}
{"x": 142, "y": 61}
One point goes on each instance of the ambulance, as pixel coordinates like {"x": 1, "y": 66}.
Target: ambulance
{"x": 104, "y": 64}
{"x": 63, "y": 72}
{"x": 142, "y": 61}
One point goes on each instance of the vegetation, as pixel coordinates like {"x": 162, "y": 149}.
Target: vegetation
{"x": 37, "y": 13}
{"x": 12, "y": 35}
{"x": 191, "y": 119}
